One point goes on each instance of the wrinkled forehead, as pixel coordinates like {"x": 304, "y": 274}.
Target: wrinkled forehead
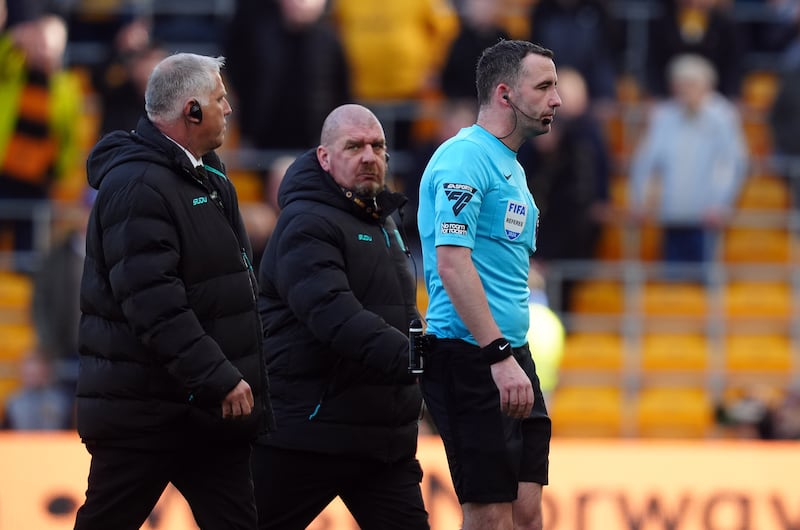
{"x": 361, "y": 132}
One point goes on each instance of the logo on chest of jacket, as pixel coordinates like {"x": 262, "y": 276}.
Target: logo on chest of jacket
{"x": 364, "y": 237}
{"x": 199, "y": 200}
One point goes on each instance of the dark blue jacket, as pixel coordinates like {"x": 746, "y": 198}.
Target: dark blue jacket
{"x": 169, "y": 319}
{"x": 336, "y": 298}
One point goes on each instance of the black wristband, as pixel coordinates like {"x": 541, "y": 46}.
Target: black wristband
{"x": 496, "y": 350}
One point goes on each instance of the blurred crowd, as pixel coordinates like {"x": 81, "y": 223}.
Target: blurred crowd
{"x": 290, "y": 62}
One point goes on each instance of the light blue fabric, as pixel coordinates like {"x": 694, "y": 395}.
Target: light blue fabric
{"x": 701, "y": 160}
{"x": 474, "y": 194}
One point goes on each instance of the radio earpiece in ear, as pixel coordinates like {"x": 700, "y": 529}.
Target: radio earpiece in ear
{"x": 505, "y": 97}
{"x": 196, "y": 112}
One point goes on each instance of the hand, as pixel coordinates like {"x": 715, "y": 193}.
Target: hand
{"x": 636, "y": 216}
{"x": 516, "y": 391}
{"x": 239, "y": 401}
{"x": 714, "y": 218}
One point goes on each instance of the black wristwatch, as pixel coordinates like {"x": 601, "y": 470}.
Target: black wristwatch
{"x": 496, "y": 350}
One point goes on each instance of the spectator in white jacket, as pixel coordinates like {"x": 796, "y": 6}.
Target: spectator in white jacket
{"x": 694, "y": 146}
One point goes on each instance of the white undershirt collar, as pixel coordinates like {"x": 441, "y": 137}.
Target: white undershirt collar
{"x": 195, "y": 162}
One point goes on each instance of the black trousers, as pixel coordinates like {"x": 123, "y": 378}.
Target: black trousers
{"x": 125, "y": 484}
{"x": 293, "y": 487}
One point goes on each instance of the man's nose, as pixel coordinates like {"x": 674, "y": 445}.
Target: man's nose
{"x": 368, "y": 154}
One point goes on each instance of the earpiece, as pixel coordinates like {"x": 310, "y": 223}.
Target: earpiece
{"x": 196, "y": 112}
{"x": 505, "y": 97}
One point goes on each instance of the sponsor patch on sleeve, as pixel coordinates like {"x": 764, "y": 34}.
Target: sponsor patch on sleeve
{"x": 456, "y": 229}
{"x": 458, "y": 194}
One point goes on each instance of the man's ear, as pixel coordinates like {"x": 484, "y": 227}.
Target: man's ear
{"x": 322, "y": 158}
{"x": 193, "y": 111}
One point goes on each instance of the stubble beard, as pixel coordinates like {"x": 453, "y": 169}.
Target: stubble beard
{"x": 368, "y": 189}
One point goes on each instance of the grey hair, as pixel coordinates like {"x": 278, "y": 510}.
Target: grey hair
{"x": 692, "y": 67}
{"x": 175, "y": 80}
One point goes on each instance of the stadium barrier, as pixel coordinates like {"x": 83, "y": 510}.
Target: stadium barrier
{"x": 595, "y": 485}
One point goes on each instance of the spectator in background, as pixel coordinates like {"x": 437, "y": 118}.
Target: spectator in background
{"x": 95, "y": 27}
{"x": 546, "y": 334}
{"x": 274, "y": 178}
{"x": 760, "y": 411}
{"x": 121, "y": 79}
{"x": 41, "y": 105}
{"x": 396, "y": 49}
{"x": 478, "y": 30}
{"x": 694, "y": 144}
{"x": 700, "y": 27}
{"x": 784, "y": 124}
{"x": 123, "y": 89}
{"x": 191, "y": 25}
{"x": 55, "y": 307}
{"x": 288, "y": 69}
{"x": 260, "y": 217}
{"x": 41, "y": 404}
{"x": 568, "y": 172}
{"x": 775, "y": 31}
{"x": 583, "y": 36}
{"x": 13, "y": 12}
{"x": 785, "y": 416}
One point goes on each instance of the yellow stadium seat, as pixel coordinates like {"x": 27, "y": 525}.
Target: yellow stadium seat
{"x": 587, "y": 411}
{"x": 756, "y": 245}
{"x": 674, "y": 352}
{"x": 422, "y": 296}
{"x": 598, "y": 297}
{"x": 756, "y": 136}
{"x": 8, "y": 385}
{"x": 593, "y": 351}
{"x": 674, "y": 299}
{"x": 750, "y": 299}
{"x": 759, "y": 88}
{"x": 15, "y": 291}
{"x": 617, "y": 243}
{"x": 249, "y": 185}
{"x": 15, "y": 341}
{"x": 758, "y": 353}
{"x": 674, "y": 412}
{"x": 614, "y": 128}
{"x": 764, "y": 193}
{"x": 609, "y": 244}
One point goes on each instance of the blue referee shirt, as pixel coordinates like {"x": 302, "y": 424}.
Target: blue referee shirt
{"x": 474, "y": 194}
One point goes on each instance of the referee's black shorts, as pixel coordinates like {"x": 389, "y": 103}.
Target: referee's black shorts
{"x": 488, "y": 452}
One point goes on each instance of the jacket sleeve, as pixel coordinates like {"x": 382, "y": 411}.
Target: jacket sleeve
{"x": 311, "y": 276}
{"x": 646, "y": 159}
{"x": 143, "y": 252}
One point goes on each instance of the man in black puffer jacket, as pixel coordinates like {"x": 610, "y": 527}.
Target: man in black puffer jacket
{"x": 336, "y": 297}
{"x": 172, "y": 383}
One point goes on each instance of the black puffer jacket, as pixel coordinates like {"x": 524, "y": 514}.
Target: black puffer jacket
{"x": 169, "y": 320}
{"x": 336, "y": 299}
